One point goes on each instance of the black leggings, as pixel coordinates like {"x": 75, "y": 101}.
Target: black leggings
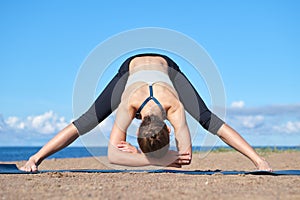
{"x": 110, "y": 99}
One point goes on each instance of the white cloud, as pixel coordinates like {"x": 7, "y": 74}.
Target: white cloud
{"x": 253, "y": 121}
{"x": 271, "y": 110}
{"x": 288, "y": 127}
{"x": 46, "y": 123}
{"x": 15, "y": 122}
{"x": 237, "y": 104}
{"x": 265, "y": 120}
{"x": 250, "y": 122}
{"x": 2, "y": 123}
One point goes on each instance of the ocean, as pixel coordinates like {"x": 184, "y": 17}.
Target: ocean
{"x": 23, "y": 153}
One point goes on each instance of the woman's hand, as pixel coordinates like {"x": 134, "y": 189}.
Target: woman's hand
{"x": 174, "y": 159}
{"x": 30, "y": 166}
{"x": 182, "y": 159}
{"x": 127, "y": 147}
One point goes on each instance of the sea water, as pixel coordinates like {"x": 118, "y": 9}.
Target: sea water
{"x": 23, "y": 153}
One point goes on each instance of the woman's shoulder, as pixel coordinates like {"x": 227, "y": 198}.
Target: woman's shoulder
{"x": 166, "y": 90}
{"x": 135, "y": 93}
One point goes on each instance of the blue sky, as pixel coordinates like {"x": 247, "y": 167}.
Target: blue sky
{"x": 255, "y": 45}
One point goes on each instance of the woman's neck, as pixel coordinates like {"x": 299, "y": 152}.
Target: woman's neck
{"x": 151, "y": 109}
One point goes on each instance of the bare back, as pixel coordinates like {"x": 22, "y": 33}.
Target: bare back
{"x": 164, "y": 91}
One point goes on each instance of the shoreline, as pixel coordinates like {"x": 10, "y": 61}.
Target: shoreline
{"x": 23, "y": 153}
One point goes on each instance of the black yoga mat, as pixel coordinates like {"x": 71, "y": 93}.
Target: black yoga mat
{"x": 12, "y": 169}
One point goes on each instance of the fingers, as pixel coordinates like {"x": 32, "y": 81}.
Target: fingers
{"x": 123, "y": 149}
{"x": 183, "y": 162}
{"x": 185, "y": 156}
{"x": 184, "y": 159}
{"x": 126, "y": 150}
{"x": 123, "y": 144}
{"x": 126, "y": 147}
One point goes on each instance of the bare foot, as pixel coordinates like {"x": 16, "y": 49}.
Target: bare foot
{"x": 263, "y": 165}
{"x": 30, "y": 166}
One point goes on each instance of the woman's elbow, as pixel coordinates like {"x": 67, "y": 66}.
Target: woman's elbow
{"x": 112, "y": 156}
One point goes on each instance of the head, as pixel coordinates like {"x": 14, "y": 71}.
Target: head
{"x": 153, "y": 136}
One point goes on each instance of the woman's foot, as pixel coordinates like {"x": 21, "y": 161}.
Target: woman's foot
{"x": 263, "y": 165}
{"x": 30, "y": 166}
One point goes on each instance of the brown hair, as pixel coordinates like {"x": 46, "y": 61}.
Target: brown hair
{"x": 153, "y": 136}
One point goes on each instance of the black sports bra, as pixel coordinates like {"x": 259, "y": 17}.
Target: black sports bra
{"x": 151, "y": 97}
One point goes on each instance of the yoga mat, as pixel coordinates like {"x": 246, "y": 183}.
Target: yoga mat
{"x": 12, "y": 169}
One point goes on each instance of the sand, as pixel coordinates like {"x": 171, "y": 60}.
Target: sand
{"x": 157, "y": 186}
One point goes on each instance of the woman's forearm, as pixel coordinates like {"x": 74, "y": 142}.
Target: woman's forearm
{"x": 65, "y": 137}
{"x": 172, "y": 158}
{"x": 116, "y": 156}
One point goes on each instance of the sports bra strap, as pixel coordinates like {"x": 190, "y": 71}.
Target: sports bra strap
{"x": 151, "y": 97}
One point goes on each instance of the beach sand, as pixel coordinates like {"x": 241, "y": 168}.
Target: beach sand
{"x": 157, "y": 186}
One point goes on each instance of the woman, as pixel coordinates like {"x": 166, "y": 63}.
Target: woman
{"x": 149, "y": 95}
{"x": 172, "y": 91}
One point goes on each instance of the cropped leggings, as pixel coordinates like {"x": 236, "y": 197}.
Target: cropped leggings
{"x": 110, "y": 99}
